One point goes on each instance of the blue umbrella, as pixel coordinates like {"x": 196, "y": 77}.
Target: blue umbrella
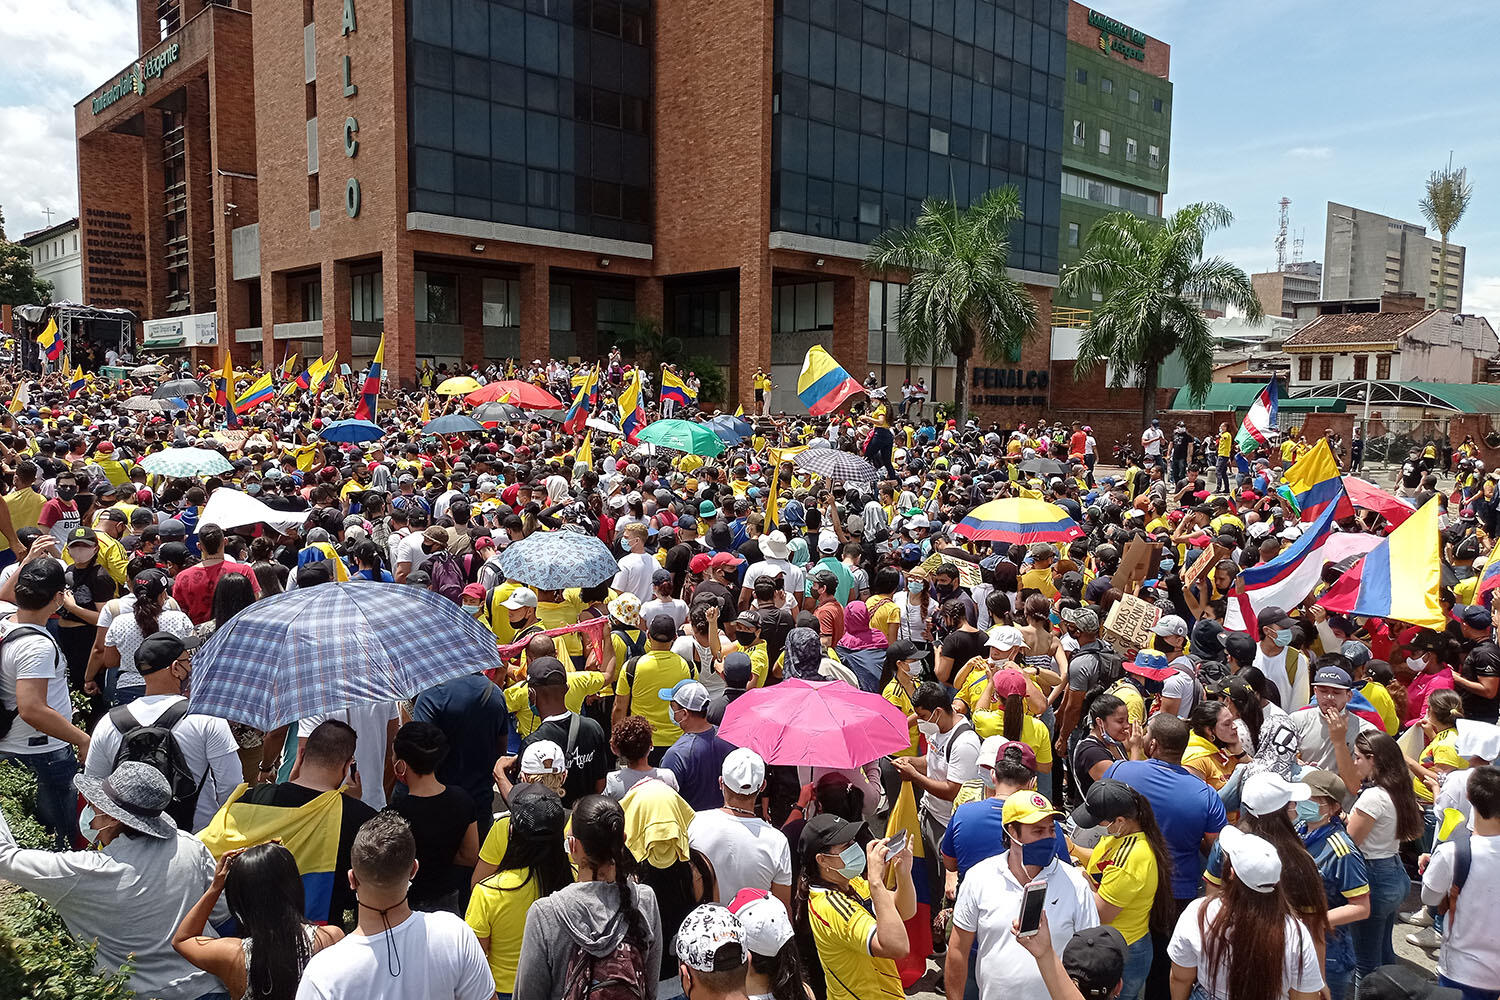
{"x": 351, "y": 431}
{"x": 322, "y": 649}
{"x": 452, "y": 423}
{"x": 731, "y": 428}
{"x": 554, "y": 560}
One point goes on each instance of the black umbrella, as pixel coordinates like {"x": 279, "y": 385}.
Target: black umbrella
{"x": 551, "y": 416}
{"x": 179, "y": 388}
{"x": 1044, "y": 467}
{"x": 497, "y": 413}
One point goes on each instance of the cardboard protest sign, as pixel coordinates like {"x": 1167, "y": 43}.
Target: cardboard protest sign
{"x": 1137, "y": 565}
{"x": 1129, "y": 624}
{"x": 1202, "y": 564}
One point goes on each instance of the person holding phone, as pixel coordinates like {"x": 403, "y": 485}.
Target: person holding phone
{"x": 990, "y": 901}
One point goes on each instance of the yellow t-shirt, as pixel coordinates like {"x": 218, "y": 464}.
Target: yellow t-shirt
{"x": 1039, "y": 579}
{"x": 556, "y": 614}
{"x": 843, "y": 930}
{"x": 497, "y": 911}
{"x": 1218, "y": 523}
{"x": 970, "y": 791}
{"x": 581, "y": 684}
{"x": 25, "y": 507}
{"x": 1033, "y": 732}
{"x": 496, "y": 617}
{"x": 1226, "y": 444}
{"x": 1205, "y": 760}
{"x": 896, "y": 695}
{"x": 1123, "y": 870}
{"x": 1135, "y": 705}
{"x": 1463, "y": 590}
{"x": 656, "y": 669}
{"x": 1380, "y": 699}
{"x": 883, "y": 613}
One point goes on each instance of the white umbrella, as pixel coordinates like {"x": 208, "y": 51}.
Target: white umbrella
{"x": 232, "y": 509}
{"x": 600, "y": 424}
{"x": 148, "y": 371}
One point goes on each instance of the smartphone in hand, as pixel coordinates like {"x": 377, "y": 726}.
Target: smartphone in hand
{"x": 1032, "y": 901}
{"x": 896, "y": 844}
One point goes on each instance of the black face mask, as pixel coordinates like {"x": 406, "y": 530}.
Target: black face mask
{"x": 67, "y": 492}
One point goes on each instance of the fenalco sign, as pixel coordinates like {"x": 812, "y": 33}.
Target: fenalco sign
{"x": 1117, "y": 37}
{"x": 133, "y": 80}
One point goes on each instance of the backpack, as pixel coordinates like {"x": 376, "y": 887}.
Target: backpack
{"x": 620, "y": 975}
{"x": 1111, "y": 663}
{"x": 155, "y": 745}
{"x": 8, "y": 714}
{"x": 445, "y": 576}
{"x": 1463, "y": 857}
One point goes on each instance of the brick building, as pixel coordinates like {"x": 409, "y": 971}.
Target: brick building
{"x": 483, "y": 179}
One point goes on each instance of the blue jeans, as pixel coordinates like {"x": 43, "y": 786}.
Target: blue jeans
{"x": 1230, "y": 793}
{"x": 1469, "y": 992}
{"x": 1389, "y": 885}
{"x": 1338, "y": 965}
{"x": 125, "y": 695}
{"x": 1137, "y": 967}
{"x": 56, "y": 801}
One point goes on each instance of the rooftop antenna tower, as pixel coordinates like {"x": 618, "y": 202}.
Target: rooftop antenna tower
{"x": 1281, "y": 235}
{"x": 1297, "y": 246}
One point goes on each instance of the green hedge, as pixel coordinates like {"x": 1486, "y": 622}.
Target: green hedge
{"x": 38, "y": 958}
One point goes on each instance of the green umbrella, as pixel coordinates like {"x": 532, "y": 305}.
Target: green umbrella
{"x": 683, "y": 435}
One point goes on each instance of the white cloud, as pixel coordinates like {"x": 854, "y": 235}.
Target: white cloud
{"x": 1310, "y": 152}
{"x": 62, "y": 49}
{"x": 1482, "y": 296}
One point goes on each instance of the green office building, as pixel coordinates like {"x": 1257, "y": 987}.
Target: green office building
{"x": 1117, "y": 130}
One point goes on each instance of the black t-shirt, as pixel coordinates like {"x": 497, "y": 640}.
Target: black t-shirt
{"x": 962, "y": 646}
{"x": 438, "y": 824}
{"x": 590, "y": 761}
{"x": 355, "y": 813}
{"x": 1411, "y": 474}
{"x": 709, "y": 590}
{"x": 1482, "y": 662}
{"x": 678, "y": 557}
{"x": 775, "y": 623}
{"x": 1180, "y": 440}
{"x": 470, "y": 710}
{"x": 1090, "y": 751}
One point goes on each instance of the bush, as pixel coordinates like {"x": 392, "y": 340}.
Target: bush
{"x": 38, "y": 957}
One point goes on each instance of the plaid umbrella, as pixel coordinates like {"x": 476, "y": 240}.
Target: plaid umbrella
{"x": 553, "y": 560}
{"x": 841, "y": 466}
{"x": 186, "y": 462}
{"x": 322, "y": 649}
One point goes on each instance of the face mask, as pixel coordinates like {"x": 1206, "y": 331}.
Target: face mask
{"x": 1167, "y": 565}
{"x": 944, "y": 592}
{"x": 473, "y": 609}
{"x": 82, "y": 553}
{"x": 1308, "y": 812}
{"x": 1284, "y": 638}
{"x": 1417, "y": 664}
{"x": 517, "y": 622}
{"x": 987, "y": 777}
{"x": 915, "y": 587}
{"x": 67, "y": 492}
{"x": 853, "y": 859}
{"x": 927, "y": 728}
{"x": 86, "y": 817}
{"x": 1038, "y": 853}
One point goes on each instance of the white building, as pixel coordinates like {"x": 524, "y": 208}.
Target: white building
{"x": 55, "y": 258}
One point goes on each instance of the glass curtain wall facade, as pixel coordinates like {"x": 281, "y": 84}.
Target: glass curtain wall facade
{"x": 880, "y": 103}
{"x": 532, "y": 112}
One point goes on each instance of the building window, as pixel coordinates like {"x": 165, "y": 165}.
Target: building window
{"x": 1153, "y": 155}
{"x": 1382, "y": 367}
{"x": 1304, "y": 369}
{"x": 1130, "y": 150}
{"x": 1114, "y": 195}
{"x": 1078, "y": 132}
{"x": 560, "y": 307}
{"x": 802, "y": 308}
{"x": 1361, "y": 366}
{"x": 937, "y": 141}
{"x": 1156, "y": 104}
{"x": 1134, "y": 95}
{"x": 1104, "y": 140}
{"x": 1072, "y": 234}
{"x": 502, "y": 302}
{"x": 1081, "y": 76}
{"x": 1325, "y": 368}
{"x": 436, "y": 297}
{"x": 366, "y": 297}
{"x": 312, "y": 300}
{"x": 1106, "y": 85}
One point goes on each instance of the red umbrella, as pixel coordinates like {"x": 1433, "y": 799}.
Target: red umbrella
{"x": 1371, "y": 497}
{"x": 522, "y": 394}
{"x": 816, "y": 723}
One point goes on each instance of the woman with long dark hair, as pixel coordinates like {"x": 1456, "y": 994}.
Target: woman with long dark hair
{"x": 1109, "y": 738}
{"x": 533, "y": 867}
{"x": 1213, "y": 750}
{"x": 263, "y": 890}
{"x": 1385, "y": 814}
{"x": 1131, "y": 871}
{"x": 603, "y": 911}
{"x": 149, "y": 615}
{"x": 271, "y": 574}
{"x": 1246, "y": 943}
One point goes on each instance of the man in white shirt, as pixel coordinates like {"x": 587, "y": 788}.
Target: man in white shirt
{"x": 1274, "y": 654}
{"x": 636, "y": 567}
{"x": 1326, "y": 730}
{"x": 413, "y": 551}
{"x": 746, "y": 852}
{"x": 776, "y": 552}
{"x": 1470, "y": 954}
{"x": 1151, "y": 439}
{"x": 374, "y": 725}
{"x": 396, "y": 953}
{"x": 989, "y": 901}
{"x": 952, "y": 758}
{"x": 208, "y": 747}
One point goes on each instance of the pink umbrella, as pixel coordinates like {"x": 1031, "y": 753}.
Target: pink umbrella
{"x": 815, "y": 723}
{"x": 1371, "y": 497}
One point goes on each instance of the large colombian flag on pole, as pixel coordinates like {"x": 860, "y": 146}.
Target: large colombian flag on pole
{"x": 632, "y": 407}
{"x": 822, "y": 385}
{"x": 1315, "y": 483}
{"x": 1285, "y": 581}
{"x": 1260, "y": 422}
{"x": 310, "y": 831}
{"x": 51, "y": 341}
{"x": 1399, "y": 578}
{"x": 583, "y": 402}
{"x": 224, "y": 392}
{"x": 369, "y": 396}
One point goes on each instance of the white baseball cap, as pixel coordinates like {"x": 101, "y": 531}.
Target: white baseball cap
{"x": 743, "y": 771}
{"x": 1264, "y": 793}
{"x": 1005, "y": 637}
{"x": 828, "y": 542}
{"x": 691, "y": 695}
{"x": 521, "y": 597}
{"x": 543, "y": 757}
{"x": 1256, "y": 863}
{"x": 764, "y": 921}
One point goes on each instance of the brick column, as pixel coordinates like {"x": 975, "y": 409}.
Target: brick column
{"x": 338, "y": 326}
{"x": 397, "y": 265}
{"x": 753, "y": 345}
{"x": 201, "y": 207}
{"x": 536, "y": 306}
{"x": 471, "y": 315}
{"x": 650, "y": 299}
{"x": 152, "y": 224}
{"x": 275, "y": 307}
{"x": 851, "y": 325}
{"x": 585, "y": 320}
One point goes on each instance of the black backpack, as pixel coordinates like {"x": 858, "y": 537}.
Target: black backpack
{"x": 155, "y": 745}
{"x": 9, "y": 713}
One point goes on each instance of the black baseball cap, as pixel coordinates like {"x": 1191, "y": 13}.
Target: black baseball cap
{"x": 157, "y": 651}
{"x": 660, "y": 577}
{"x": 537, "y": 811}
{"x": 1239, "y": 646}
{"x": 1274, "y": 616}
{"x": 662, "y": 628}
{"x": 82, "y": 536}
{"x": 1397, "y": 982}
{"x": 1333, "y": 677}
{"x": 546, "y": 671}
{"x": 825, "y": 831}
{"x": 1107, "y": 799}
{"x": 1095, "y": 961}
{"x": 738, "y": 670}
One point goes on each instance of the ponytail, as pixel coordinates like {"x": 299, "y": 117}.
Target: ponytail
{"x": 599, "y": 827}
{"x": 1015, "y": 716}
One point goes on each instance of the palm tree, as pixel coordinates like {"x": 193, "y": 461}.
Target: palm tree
{"x": 1448, "y": 194}
{"x": 959, "y": 298}
{"x": 649, "y": 344}
{"x": 1153, "y": 277}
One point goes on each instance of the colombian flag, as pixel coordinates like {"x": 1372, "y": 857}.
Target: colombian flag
{"x": 51, "y": 341}
{"x": 1489, "y": 580}
{"x": 369, "y": 396}
{"x": 583, "y": 401}
{"x": 317, "y": 373}
{"x": 1315, "y": 483}
{"x": 259, "y": 392}
{"x": 632, "y": 408}
{"x": 673, "y": 387}
{"x": 79, "y": 381}
{"x": 1399, "y": 578}
{"x": 823, "y": 386}
{"x": 310, "y": 832}
{"x": 224, "y": 392}
{"x": 904, "y": 819}
{"x": 287, "y": 364}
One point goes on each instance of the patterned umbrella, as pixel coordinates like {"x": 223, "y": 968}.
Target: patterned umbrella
{"x": 496, "y": 413}
{"x": 452, "y": 423}
{"x": 186, "y": 462}
{"x": 684, "y": 435}
{"x": 147, "y": 371}
{"x": 322, "y": 649}
{"x": 553, "y": 560}
{"x": 1018, "y": 519}
{"x": 351, "y": 431}
{"x": 152, "y": 405}
{"x": 840, "y": 466}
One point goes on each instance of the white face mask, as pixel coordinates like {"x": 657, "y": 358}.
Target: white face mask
{"x": 1417, "y": 664}
{"x": 927, "y": 728}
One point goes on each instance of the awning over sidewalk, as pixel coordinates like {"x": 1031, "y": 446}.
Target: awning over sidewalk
{"x": 1240, "y": 395}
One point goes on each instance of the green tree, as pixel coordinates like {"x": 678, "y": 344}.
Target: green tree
{"x": 648, "y": 343}
{"x": 712, "y": 385}
{"x": 19, "y": 285}
{"x": 1153, "y": 277}
{"x": 960, "y": 298}
{"x": 1448, "y": 194}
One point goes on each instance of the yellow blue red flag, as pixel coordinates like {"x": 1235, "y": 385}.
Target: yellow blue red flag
{"x": 632, "y": 407}
{"x": 673, "y": 387}
{"x": 1315, "y": 483}
{"x": 369, "y": 396}
{"x": 310, "y": 831}
{"x": 51, "y": 341}
{"x": 1400, "y": 578}
{"x": 822, "y": 386}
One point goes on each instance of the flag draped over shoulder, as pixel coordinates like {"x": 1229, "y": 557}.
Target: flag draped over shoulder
{"x": 633, "y": 407}
{"x": 1260, "y": 422}
{"x": 904, "y": 819}
{"x": 369, "y": 396}
{"x": 1285, "y": 581}
{"x": 822, "y": 386}
{"x": 309, "y": 831}
{"x": 1489, "y": 580}
{"x": 1315, "y": 483}
{"x": 1399, "y": 578}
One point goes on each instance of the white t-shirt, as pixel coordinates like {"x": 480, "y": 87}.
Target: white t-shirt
{"x": 1151, "y": 439}
{"x": 207, "y": 745}
{"x": 792, "y": 576}
{"x": 960, "y": 766}
{"x": 636, "y": 570}
{"x": 1182, "y": 685}
{"x": 1300, "y": 969}
{"x": 746, "y": 851}
{"x": 1381, "y": 841}
{"x": 1471, "y": 949}
{"x": 409, "y": 550}
{"x": 439, "y": 957}
{"x": 117, "y": 607}
{"x": 1274, "y": 668}
{"x": 369, "y": 724}
{"x": 32, "y": 657}
{"x": 675, "y": 608}
{"x": 124, "y": 634}
{"x": 989, "y": 901}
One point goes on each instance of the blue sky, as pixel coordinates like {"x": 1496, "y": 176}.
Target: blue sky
{"x": 1315, "y": 101}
